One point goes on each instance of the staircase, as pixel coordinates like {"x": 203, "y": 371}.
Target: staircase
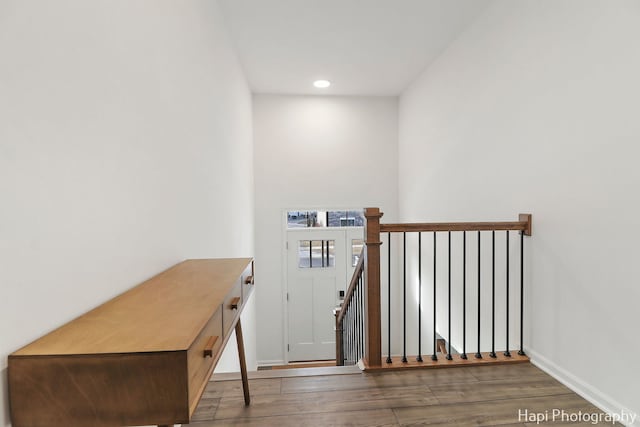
{"x": 457, "y": 282}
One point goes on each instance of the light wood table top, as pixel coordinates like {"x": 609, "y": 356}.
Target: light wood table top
{"x": 165, "y": 313}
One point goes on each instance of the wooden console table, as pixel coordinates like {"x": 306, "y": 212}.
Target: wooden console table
{"x": 142, "y": 358}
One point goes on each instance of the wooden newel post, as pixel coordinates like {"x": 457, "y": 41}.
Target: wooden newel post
{"x": 373, "y": 345}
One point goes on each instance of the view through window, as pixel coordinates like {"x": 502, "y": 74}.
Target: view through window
{"x": 316, "y": 253}
{"x": 304, "y": 219}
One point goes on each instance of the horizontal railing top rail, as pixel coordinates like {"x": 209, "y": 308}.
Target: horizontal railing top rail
{"x": 359, "y": 270}
{"x": 523, "y": 224}
{"x": 350, "y": 318}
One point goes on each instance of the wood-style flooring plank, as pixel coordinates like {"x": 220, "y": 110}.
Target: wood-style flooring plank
{"x": 542, "y": 423}
{"x": 284, "y": 373}
{"x": 377, "y": 379}
{"x": 258, "y": 387}
{"x": 372, "y": 418}
{"x": 327, "y": 383}
{"x": 499, "y": 372}
{"x": 498, "y": 389}
{"x": 432, "y": 377}
{"x": 569, "y": 423}
{"x": 205, "y": 410}
{"x": 326, "y": 401}
{"x": 487, "y": 413}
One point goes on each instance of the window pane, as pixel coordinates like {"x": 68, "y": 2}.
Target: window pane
{"x": 316, "y": 253}
{"x": 345, "y": 219}
{"x": 306, "y": 219}
{"x": 304, "y": 254}
{"x": 356, "y": 250}
{"x": 302, "y": 219}
{"x": 334, "y": 218}
{"x": 357, "y": 217}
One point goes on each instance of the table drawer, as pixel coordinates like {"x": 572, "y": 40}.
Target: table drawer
{"x": 231, "y": 307}
{"x": 201, "y": 356}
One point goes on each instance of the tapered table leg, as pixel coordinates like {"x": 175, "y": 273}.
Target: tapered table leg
{"x": 243, "y": 363}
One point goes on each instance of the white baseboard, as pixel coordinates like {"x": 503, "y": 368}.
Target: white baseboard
{"x": 270, "y": 362}
{"x": 587, "y": 391}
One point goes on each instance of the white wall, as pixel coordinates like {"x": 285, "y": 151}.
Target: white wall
{"x": 314, "y": 151}
{"x": 125, "y": 147}
{"x": 535, "y": 109}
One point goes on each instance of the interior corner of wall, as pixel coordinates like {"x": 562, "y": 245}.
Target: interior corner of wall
{"x": 4, "y": 398}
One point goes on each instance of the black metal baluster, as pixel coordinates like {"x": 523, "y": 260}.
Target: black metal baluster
{"x": 434, "y": 356}
{"x": 344, "y": 341}
{"x": 449, "y": 357}
{"x": 322, "y": 252}
{"x": 350, "y": 331}
{"x": 345, "y": 331}
{"x": 364, "y": 314}
{"x": 464, "y": 296}
{"x": 345, "y": 334}
{"x": 419, "y": 358}
{"x": 357, "y": 320}
{"x": 361, "y": 285}
{"x": 404, "y": 297}
{"x": 521, "y": 351}
{"x": 346, "y": 327}
{"x": 355, "y": 337}
{"x": 479, "y": 354}
{"x": 357, "y": 323}
{"x": 389, "y": 299}
{"x": 493, "y": 294}
{"x": 355, "y": 328}
{"x": 350, "y": 314}
{"x": 507, "y": 352}
{"x": 310, "y": 254}
{"x": 362, "y": 318}
{"x": 354, "y": 342}
{"x": 353, "y": 332}
{"x": 358, "y": 337}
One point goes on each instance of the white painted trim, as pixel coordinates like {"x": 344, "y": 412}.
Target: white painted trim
{"x": 284, "y": 279}
{"x": 586, "y": 390}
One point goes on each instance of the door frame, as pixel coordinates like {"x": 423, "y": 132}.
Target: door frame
{"x": 284, "y": 272}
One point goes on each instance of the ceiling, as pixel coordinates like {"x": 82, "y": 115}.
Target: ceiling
{"x": 364, "y": 47}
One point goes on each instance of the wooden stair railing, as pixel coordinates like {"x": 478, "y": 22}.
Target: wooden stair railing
{"x": 370, "y": 270}
{"x": 350, "y": 334}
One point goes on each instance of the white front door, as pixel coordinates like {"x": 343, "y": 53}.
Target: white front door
{"x": 317, "y": 272}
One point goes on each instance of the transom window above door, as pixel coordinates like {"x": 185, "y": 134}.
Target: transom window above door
{"x": 306, "y": 219}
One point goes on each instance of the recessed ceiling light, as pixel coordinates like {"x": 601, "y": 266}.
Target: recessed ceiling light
{"x": 321, "y": 84}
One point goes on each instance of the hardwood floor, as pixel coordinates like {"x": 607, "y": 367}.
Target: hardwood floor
{"x": 474, "y": 396}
